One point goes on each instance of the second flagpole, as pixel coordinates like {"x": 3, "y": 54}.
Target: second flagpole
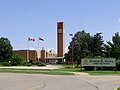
{"x": 28, "y": 50}
{"x": 38, "y": 50}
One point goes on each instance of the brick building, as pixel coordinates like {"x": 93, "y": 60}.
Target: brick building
{"x": 27, "y": 55}
{"x": 47, "y": 57}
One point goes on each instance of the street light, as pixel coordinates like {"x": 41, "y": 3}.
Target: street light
{"x": 72, "y": 49}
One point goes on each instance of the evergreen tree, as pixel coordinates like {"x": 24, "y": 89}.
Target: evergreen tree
{"x": 97, "y": 45}
{"x": 85, "y": 46}
{"x": 113, "y": 48}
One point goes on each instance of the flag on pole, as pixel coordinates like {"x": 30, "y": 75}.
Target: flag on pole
{"x": 41, "y": 39}
{"x": 31, "y": 39}
{"x": 70, "y": 34}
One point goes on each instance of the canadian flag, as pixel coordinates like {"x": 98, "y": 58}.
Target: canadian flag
{"x": 41, "y": 39}
{"x": 70, "y": 34}
{"x": 31, "y": 39}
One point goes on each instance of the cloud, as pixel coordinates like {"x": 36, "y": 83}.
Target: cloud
{"x": 31, "y": 48}
{"x": 118, "y": 20}
{"x": 107, "y": 20}
{"x": 66, "y": 49}
{"x": 51, "y": 49}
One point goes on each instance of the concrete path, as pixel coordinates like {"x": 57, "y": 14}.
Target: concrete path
{"x": 36, "y": 67}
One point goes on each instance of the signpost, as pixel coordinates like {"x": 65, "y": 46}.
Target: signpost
{"x": 98, "y": 62}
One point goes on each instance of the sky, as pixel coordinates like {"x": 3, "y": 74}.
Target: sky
{"x": 20, "y": 19}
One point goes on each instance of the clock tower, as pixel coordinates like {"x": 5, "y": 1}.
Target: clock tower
{"x": 60, "y": 39}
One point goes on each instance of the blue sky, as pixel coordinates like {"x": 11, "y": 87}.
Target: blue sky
{"x": 20, "y": 19}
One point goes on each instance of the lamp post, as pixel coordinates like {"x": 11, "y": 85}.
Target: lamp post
{"x": 72, "y": 49}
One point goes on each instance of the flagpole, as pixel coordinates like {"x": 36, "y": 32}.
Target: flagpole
{"x": 38, "y": 49}
{"x": 38, "y": 43}
{"x": 27, "y": 50}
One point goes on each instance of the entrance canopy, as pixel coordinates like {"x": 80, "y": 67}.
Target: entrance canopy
{"x": 54, "y": 60}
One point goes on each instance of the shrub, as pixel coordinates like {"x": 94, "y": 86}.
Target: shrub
{"x": 89, "y": 68}
{"x": 13, "y": 64}
{"x": 0, "y": 63}
{"x": 118, "y": 88}
{"x": 37, "y": 63}
{"x": 5, "y": 64}
{"x": 27, "y": 64}
{"x": 41, "y": 64}
{"x": 17, "y": 59}
{"x": 33, "y": 63}
{"x": 118, "y": 64}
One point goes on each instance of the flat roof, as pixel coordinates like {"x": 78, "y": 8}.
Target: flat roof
{"x": 54, "y": 57}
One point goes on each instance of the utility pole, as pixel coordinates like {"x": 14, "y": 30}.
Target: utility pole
{"x": 72, "y": 48}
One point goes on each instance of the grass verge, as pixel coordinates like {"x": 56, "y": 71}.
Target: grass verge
{"x": 64, "y": 71}
{"x": 102, "y": 72}
{"x": 36, "y": 71}
{"x": 118, "y": 88}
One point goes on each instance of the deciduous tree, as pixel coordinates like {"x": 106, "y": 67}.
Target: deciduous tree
{"x": 5, "y": 50}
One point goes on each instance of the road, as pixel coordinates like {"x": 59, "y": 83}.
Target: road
{"x": 16, "y": 81}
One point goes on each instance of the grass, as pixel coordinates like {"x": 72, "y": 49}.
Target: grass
{"x": 102, "y": 72}
{"x": 36, "y": 71}
{"x": 69, "y": 70}
{"x": 64, "y": 71}
{"x": 118, "y": 88}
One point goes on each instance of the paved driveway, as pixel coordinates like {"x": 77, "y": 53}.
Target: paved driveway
{"x": 16, "y": 81}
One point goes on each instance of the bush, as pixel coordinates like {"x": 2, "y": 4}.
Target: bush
{"x": 118, "y": 64}
{"x": 13, "y": 64}
{"x": 37, "y": 63}
{"x": 118, "y": 88}
{"x": 41, "y": 64}
{"x": 0, "y": 63}
{"x": 5, "y": 64}
{"x": 27, "y": 64}
{"x": 89, "y": 68}
{"x": 17, "y": 59}
{"x": 33, "y": 63}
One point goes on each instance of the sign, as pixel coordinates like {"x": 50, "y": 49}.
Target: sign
{"x": 106, "y": 62}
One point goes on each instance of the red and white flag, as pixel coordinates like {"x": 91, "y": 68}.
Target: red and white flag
{"x": 70, "y": 34}
{"x": 31, "y": 39}
{"x": 41, "y": 39}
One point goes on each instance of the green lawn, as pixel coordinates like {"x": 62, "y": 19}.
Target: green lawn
{"x": 64, "y": 71}
{"x": 36, "y": 71}
{"x": 102, "y": 72}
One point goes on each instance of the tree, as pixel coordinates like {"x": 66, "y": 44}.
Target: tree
{"x": 6, "y": 51}
{"x": 81, "y": 42}
{"x": 97, "y": 45}
{"x": 113, "y": 48}
{"x": 85, "y": 46}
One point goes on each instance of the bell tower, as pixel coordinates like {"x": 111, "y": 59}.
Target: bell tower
{"x": 60, "y": 39}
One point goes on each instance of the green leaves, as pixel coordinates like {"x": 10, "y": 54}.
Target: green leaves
{"x": 17, "y": 59}
{"x": 85, "y": 46}
{"x": 5, "y": 50}
{"x": 114, "y": 47}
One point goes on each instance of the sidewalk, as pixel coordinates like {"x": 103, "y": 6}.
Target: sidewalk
{"x": 80, "y": 73}
{"x": 50, "y": 67}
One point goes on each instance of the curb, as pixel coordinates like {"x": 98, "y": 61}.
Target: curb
{"x": 80, "y": 73}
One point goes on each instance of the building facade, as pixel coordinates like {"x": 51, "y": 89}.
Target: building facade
{"x": 27, "y": 55}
